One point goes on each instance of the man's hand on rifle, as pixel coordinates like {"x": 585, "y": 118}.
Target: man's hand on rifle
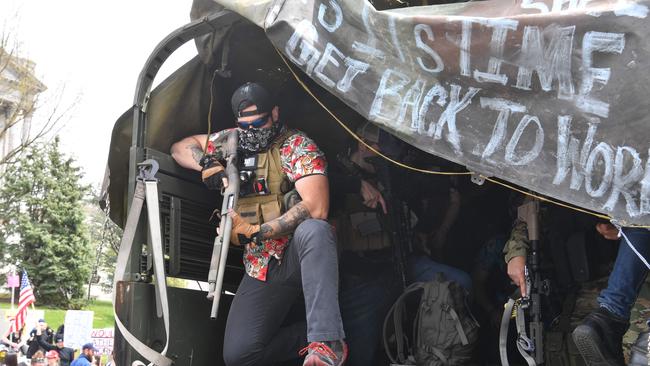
{"x": 213, "y": 174}
{"x": 517, "y": 273}
{"x": 372, "y": 196}
{"x": 242, "y": 232}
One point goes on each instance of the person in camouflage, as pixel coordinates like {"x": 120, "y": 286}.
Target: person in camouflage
{"x": 615, "y": 302}
{"x": 516, "y": 250}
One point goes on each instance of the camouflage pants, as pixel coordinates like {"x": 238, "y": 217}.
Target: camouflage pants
{"x": 638, "y": 319}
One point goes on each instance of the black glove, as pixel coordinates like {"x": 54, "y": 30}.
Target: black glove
{"x": 212, "y": 173}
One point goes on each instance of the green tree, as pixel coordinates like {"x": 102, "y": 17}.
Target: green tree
{"x": 105, "y": 236}
{"x": 42, "y": 225}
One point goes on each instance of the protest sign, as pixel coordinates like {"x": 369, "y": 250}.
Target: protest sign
{"x": 103, "y": 340}
{"x": 78, "y": 328}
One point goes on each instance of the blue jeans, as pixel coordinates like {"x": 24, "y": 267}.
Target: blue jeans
{"x": 368, "y": 288}
{"x": 628, "y": 274}
{"x": 423, "y": 269}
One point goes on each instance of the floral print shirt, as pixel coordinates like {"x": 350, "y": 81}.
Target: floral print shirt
{"x": 300, "y": 157}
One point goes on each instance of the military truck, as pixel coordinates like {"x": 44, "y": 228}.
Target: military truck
{"x": 534, "y": 96}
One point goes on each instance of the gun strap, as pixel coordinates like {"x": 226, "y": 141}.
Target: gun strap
{"x": 144, "y": 190}
{"x": 524, "y": 343}
{"x": 503, "y": 331}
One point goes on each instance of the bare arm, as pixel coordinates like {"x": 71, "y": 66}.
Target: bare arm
{"x": 314, "y": 190}
{"x": 453, "y": 209}
{"x": 23, "y": 341}
{"x": 5, "y": 340}
{"x": 189, "y": 151}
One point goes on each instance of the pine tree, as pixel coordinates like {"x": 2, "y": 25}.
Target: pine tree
{"x": 42, "y": 225}
{"x": 105, "y": 236}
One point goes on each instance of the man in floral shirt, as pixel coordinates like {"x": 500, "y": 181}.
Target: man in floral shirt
{"x": 285, "y": 255}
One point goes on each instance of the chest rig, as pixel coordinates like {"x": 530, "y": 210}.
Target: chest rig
{"x": 361, "y": 227}
{"x": 263, "y": 184}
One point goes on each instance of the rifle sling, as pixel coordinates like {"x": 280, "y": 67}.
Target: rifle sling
{"x": 503, "y": 332}
{"x": 520, "y": 322}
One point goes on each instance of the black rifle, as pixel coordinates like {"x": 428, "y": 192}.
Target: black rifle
{"x": 397, "y": 222}
{"x": 535, "y": 286}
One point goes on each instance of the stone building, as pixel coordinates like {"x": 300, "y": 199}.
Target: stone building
{"x": 19, "y": 89}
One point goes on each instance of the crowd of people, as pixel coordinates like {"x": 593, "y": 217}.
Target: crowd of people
{"x": 42, "y": 346}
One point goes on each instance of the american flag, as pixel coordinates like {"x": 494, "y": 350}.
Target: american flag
{"x": 25, "y": 299}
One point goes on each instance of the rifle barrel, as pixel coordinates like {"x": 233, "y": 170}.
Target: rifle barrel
{"x": 222, "y": 241}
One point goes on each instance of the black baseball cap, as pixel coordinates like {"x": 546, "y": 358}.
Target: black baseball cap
{"x": 251, "y": 94}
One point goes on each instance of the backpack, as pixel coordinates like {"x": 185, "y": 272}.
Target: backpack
{"x": 444, "y": 330}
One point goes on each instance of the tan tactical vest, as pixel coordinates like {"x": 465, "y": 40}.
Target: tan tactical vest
{"x": 258, "y": 209}
{"x": 360, "y": 228}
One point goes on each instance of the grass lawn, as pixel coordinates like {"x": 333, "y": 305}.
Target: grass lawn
{"x": 103, "y": 316}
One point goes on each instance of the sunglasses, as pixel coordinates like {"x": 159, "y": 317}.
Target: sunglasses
{"x": 253, "y": 124}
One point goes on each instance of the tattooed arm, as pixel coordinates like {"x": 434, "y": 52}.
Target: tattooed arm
{"x": 314, "y": 191}
{"x": 189, "y": 151}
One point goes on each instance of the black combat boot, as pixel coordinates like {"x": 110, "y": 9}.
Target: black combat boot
{"x": 639, "y": 356}
{"x": 599, "y": 338}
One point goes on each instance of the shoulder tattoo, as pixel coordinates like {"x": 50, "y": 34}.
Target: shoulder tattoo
{"x": 197, "y": 152}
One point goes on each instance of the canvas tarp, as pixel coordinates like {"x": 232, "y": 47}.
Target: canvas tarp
{"x": 551, "y": 96}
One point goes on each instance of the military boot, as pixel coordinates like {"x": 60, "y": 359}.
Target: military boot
{"x": 599, "y": 338}
{"x": 639, "y": 355}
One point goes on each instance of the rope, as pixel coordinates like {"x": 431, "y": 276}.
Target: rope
{"x": 621, "y": 233}
{"x": 542, "y": 198}
{"x": 355, "y": 136}
{"x": 207, "y": 139}
{"x": 400, "y": 164}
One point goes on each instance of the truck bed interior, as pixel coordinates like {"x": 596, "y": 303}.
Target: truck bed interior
{"x": 181, "y": 105}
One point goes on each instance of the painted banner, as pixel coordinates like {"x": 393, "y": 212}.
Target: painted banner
{"x": 549, "y": 95}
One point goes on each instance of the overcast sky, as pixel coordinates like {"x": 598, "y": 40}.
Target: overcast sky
{"x": 95, "y": 50}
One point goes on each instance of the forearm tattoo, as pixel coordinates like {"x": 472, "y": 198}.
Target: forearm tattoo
{"x": 197, "y": 152}
{"x": 286, "y": 223}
